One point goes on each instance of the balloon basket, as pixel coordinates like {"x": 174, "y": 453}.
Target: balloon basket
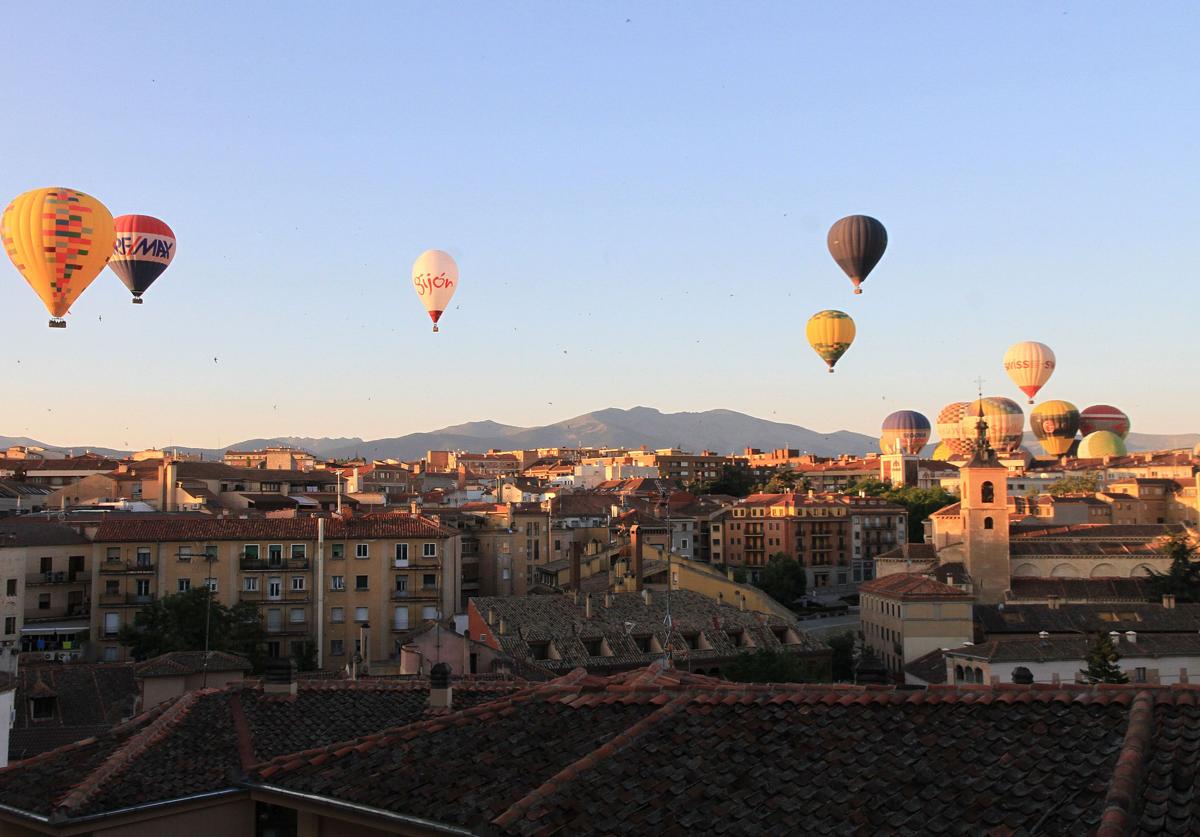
{"x": 831, "y": 370}
{"x": 435, "y": 329}
{"x": 137, "y": 300}
{"x": 858, "y": 290}
{"x": 58, "y": 323}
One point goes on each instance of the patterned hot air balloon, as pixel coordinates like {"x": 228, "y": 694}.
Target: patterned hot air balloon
{"x": 1055, "y": 423}
{"x": 1030, "y": 365}
{"x": 904, "y": 431}
{"x": 1005, "y": 422}
{"x": 950, "y": 428}
{"x": 1101, "y": 443}
{"x": 856, "y": 243}
{"x": 941, "y": 453}
{"x": 59, "y": 239}
{"x": 1103, "y": 417}
{"x": 435, "y": 278}
{"x": 144, "y": 248}
{"x": 830, "y": 333}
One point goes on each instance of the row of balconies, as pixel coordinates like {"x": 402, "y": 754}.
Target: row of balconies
{"x": 59, "y": 577}
{"x": 110, "y": 565}
{"x": 122, "y": 599}
{"x": 267, "y": 564}
{"x": 261, "y": 597}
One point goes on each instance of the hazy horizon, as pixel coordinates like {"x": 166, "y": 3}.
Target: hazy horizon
{"x": 637, "y": 198}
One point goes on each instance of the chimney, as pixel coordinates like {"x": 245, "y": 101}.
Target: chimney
{"x": 413, "y": 507}
{"x": 646, "y": 597}
{"x": 1052, "y": 601}
{"x": 440, "y": 690}
{"x": 279, "y": 676}
{"x": 491, "y": 616}
{"x": 741, "y": 600}
{"x": 500, "y": 628}
{"x": 1131, "y": 637}
{"x": 587, "y": 606}
{"x": 1169, "y": 601}
{"x": 608, "y": 599}
{"x": 635, "y": 548}
{"x": 576, "y": 564}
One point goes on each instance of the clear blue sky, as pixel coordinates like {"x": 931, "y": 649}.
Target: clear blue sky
{"x": 637, "y": 196}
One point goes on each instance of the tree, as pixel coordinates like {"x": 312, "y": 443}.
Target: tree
{"x": 843, "y": 656}
{"x": 1102, "y": 660}
{"x": 918, "y": 502}
{"x": 768, "y": 666}
{"x": 782, "y": 579}
{"x": 1087, "y": 484}
{"x": 783, "y": 481}
{"x": 306, "y": 656}
{"x": 734, "y": 481}
{"x": 1182, "y": 578}
{"x": 177, "y": 623}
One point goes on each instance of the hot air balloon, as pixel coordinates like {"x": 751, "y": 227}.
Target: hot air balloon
{"x": 59, "y": 239}
{"x": 435, "y": 278}
{"x": 856, "y": 243}
{"x": 1055, "y": 423}
{"x": 904, "y": 431}
{"x": 1030, "y": 365}
{"x": 144, "y": 248}
{"x": 950, "y": 428}
{"x": 1103, "y": 417}
{"x": 941, "y": 453}
{"x": 830, "y": 333}
{"x": 1101, "y": 443}
{"x": 1005, "y": 422}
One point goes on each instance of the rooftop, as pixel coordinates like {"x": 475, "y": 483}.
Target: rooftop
{"x": 911, "y": 586}
{"x": 402, "y": 525}
{"x": 179, "y": 663}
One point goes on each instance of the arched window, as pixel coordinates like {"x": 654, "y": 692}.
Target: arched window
{"x": 988, "y": 523}
{"x": 987, "y": 492}
{"x": 978, "y": 675}
{"x": 958, "y": 673}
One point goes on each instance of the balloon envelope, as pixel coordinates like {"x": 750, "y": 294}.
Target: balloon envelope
{"x": 856, "y": 243}
{"x": 59, "y": 239}
{"x": 1030, "y": 365}
{"x": 1103, "y": 417}
{"x": 1005, "y": 422}
{"x": 1055, "y": 423}
{"x": 950, "y": 428}
{"x": 830, "y": 334}
{"x": 435, "y": 279}
{"x": 143, "y": 249}
{"x": 941, "y": 453}
{"x": 1101, "y": 443}
{"x": 904, "y": 431}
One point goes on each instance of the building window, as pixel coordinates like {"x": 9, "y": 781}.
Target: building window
{"x": 274, "y": 623}
{"x": 401, "y": 555}
{"x": 402, "y": 585}
{"x": 337, "y": 551}
{"x": 185, "y": 584}
{"x": 337, "y": 582}
{"x": 110, "y": 654}
{"x": 10, "y": 624}
{"x": 362, "y": 550}
{"x": 987, "y": 492}
{"x": 143, "y": 587}
{"x": 360, "y": 614}
{"x": 143, "y": 557}
{"x": 275, "y": 554}
{"x": 361, "y": 582}
{"x": 429, "y": 550}
{"x": 400, "y": 618}
{"x": 250, "y": 584}
{"x": 10, "y": 587}
{"x": 250, "y": 551}
{"x": 988, "y": 523}
{"x": 41, "y": 708}
{"x": 112, "y": 624}
{"x": 113, "y": 553}
{"x": 429, "y": 580}
{"x": 429, "y": 612}
{"x": 296, "y": 615}
{"x": 211, "y": 583}
{"x": 299, "y": 551}
{"x": 1139, "y": 675}
{"x": 43, "y": 601}
{"x": 298, "y": 584}
{"x": 336, "y": 648}
{"x": 337, "y": 615}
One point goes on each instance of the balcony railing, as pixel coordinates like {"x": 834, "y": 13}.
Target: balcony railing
{"x": 111, "y": 565}
{"x": 111, "y": 599}
{"x": 58, "y": 577}
{"x": 257, "y": 564}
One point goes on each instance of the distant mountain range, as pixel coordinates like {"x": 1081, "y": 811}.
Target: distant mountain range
{"x": 723, "y": 431}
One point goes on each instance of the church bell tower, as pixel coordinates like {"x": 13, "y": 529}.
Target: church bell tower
{"x": 984, "y": 504}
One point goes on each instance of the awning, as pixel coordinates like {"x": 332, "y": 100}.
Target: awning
{"x": 73, "y": 627}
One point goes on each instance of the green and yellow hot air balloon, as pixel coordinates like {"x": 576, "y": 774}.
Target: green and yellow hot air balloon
{"x": 1055, "y": 424}
{"x": 1101, "y": 443}
{"x": 830, "y": 333}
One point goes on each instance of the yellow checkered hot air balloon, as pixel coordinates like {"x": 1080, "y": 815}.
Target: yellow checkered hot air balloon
{"x": 830, "y": 333}
{"x": 60, "y": 239}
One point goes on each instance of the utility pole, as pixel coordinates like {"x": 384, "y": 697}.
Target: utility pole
{"x": 209, "y": 558}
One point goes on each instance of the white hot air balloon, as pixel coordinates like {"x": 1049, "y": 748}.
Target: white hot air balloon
{"x": 1030, "y": 365}
{"x": 435, "y": 278}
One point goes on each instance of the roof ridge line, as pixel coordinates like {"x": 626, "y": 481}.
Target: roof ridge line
{"x": 241, "y": 725}
{"x": 138, "y": 743}
{"x": 569, "y": 773}
{"x": 1124, "y": 788}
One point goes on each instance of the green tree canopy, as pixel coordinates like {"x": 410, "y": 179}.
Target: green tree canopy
{"x": 1182, "y": 578}
{"x": 734, "y": 481}
{"x": 843, "y": 656}
{"x": 176, "y": 623}
{"x": 1087, "y": 484}
{"x": 783, "y": 579}
{"x": 785, "y": 480}
{"x": 1102, "y": 660}
{"x": 919, "y": 502}
{"x": 768, "y": 666}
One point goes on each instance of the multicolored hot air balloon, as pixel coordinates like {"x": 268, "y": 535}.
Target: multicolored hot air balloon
{"x": 1101, "y": 443}
{"x": 1055, "y": 424}
{"x": 904, "y": 431}
{"x": 830, "y": 334}
{"x": 941, "y": 453}
{"x": 435, "y": 279}
{"x": 949, "y": 426}
{"x": 1005, "y": 422}
{"x": 1103, "y": 417}
{"x": 1030, "y": 365}
{"x": 59, "y": 239}
{"x": 856, "y": 243}
{"x": 144, "y": 248}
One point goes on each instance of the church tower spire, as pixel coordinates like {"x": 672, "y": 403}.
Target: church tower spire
{"x": 984, "y": 503}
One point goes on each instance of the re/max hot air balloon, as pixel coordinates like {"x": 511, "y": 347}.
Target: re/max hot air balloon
{"x": 1030, "y": 365}
{"x": 1005, "y": 422}
{"x": 950, "y": 429}
{"x": 1055, "y": 424}
{"x": 1103, "y": 417}
{"x": 856, "y": 243}
{"x": 904, "y": 431}
{"x": 830, "y": 334}
{"x": 1101, "y": 443}
{"x": 435, "y": 278}
{"x": 144, "y": 248}
{"x": 59, "y": 239}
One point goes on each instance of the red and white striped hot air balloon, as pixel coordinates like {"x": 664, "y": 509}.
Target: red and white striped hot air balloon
{"x": 1030, "y": 365}
{"x": 435, "y": 278}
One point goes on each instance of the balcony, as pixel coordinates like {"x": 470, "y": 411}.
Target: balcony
{"x": 118, "y": 566}
{"x": 268, "y": 564}
{"x": 296, "y": 595}
{"x": 125, "y": 599}
{"x": 59, "y": 577}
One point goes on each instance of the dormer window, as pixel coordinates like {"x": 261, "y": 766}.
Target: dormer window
{"x": 41, "y": 708}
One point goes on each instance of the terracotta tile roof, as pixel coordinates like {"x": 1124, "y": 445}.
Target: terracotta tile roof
{"x": 177, "y": 663}
{"x": 910, "y": 552}
{"x": 1087, "y": 618}
{"x": 911, "y": 586}
{"x": 34, "y": 531}
{"x": 90, "y": 698}
{"x": 1082, "y": 589}
{"x": 292, "y": 528}
{"x": 931, "y": 668}
{"x": 1143, "y": 532}
{"x": 1060, "y": 647}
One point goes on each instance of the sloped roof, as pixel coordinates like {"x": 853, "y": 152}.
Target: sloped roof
{"x": 89, "y": 698}
{"x": 176, "y": 663}
{"x": 911, "y": 586}
{"x": 401, "y": 525}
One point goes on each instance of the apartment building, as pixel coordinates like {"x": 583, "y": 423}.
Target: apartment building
{"x": 47, "y": 580}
